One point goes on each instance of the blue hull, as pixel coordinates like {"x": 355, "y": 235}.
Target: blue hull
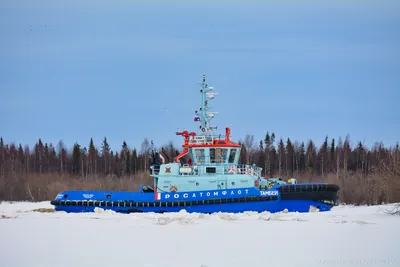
{"x": 276, "y": 206}
{"x": 229, "y": 200}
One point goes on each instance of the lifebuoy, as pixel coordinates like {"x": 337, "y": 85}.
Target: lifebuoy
{"x": 173, "y": 188}
{"x": 232, "y": 170}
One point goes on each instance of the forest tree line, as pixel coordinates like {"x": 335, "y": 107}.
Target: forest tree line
{"x": 365, "y": 175}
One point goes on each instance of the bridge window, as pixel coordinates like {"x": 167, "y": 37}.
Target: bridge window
{"x": 200, "y": 155}
{"x": 218, "y": 155}
{"x": 232, "y": 156}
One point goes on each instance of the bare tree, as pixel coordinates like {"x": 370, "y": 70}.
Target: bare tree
{"x": 249, "y": 145}
{"x": 339, "y": 156}
{"x": 145, "y": 151}
{"x": 346, "y": 154}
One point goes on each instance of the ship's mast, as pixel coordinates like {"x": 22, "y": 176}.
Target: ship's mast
{"x": 205, "y": 115}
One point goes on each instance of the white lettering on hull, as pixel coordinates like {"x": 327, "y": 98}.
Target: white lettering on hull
{"x": 269, "y": 193}
{"x": 234, "y": 192}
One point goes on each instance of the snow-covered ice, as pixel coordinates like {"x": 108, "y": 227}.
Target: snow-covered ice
{"x": 345, "y": 236}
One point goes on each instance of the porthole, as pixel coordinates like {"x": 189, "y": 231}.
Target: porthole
{"x": 197, "y": 183}
{"x": 108, "y": 196}
{"x": 233, "y": 183}
{"x": 65, "y": 196}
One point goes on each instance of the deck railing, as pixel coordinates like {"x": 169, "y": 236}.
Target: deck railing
{"x": 205, "y": 139}
{"x": 215, "y": 168}
{"x": 201, "y": 140}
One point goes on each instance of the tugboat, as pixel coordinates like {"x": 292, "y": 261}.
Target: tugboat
{"x": 210, "y": 180}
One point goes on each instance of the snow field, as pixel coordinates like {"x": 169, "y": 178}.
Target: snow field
{"x": 345, "y": 236}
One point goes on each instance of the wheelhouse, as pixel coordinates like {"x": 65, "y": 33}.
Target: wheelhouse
{"x": 221, "y": 152}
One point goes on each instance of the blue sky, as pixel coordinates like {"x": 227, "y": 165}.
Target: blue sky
{"x": 302, "y": 69}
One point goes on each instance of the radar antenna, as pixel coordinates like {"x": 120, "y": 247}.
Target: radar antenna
{"x": 205, "y": 115}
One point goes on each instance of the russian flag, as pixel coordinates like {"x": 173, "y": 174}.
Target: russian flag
{"x": 197, "y": 118}
{"x": 157, "y": 196}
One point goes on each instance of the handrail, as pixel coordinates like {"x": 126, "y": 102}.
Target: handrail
{"x": 229, "y": 169}
{"x": 201, "y": 139}
{"x": 206, "y": 139}
{"x": 241, "y": 169}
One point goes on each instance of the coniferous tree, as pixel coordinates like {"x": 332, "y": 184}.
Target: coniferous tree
{"x": 21, "y": 159}
{"x": 76, "y": 158}
{"x": 310, "y": 156}
{"x": 135, "y": 160}
{"x": 360, "y": 160}
{"x": 346, "y": 154}
{"x": 332, "y": 156}
{"x": 12, "y": 156}
{"x": 124, "y": 156}
{"x": 128, "y": 164}
{"x": 260, "y": 155}
{"x": 267, "y": 164}
{"x": 61, "y": 154}
{"x": 339, "y": 156}
{"x": 84, "y": 162}
{"x": 379, "y": 166}
{"x": 46, "y": 156}
{"x": 27, "y": 154}
{"x": 290, "y": 158}
{"x": 105, "y": 153}
{"x": 323, "y": 155}
{"x": 281, "y": 154}
{"x": 333, "y": 149}
{"x": 39, "y": 151}
{"x": 53, "y": 159}
{"x": 302, "y": 157}
{"x": 64, "y": 160}
{"x": 111, "y": 163}
{"x": 296, "y": 153}
{"x": 92, "y": 158}
{"x": 116, "y": 169}
{"x": 273, "y": 153}
{"x": 270, "y": 153}
{"x": 2, "y": 156}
